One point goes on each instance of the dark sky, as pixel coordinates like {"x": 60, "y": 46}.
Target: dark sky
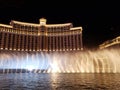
{"x": 100, "y": 20}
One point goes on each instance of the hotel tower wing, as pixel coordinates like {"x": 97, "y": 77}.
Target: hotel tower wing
{"x": 29, "y": 37}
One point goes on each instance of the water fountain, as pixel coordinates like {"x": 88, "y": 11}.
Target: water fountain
{"x": 99, "y": 61}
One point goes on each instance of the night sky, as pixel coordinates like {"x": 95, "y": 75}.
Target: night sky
{"x": 100, "y": 20}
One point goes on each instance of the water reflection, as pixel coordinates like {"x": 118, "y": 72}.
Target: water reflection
{"x": 32, "y": 81}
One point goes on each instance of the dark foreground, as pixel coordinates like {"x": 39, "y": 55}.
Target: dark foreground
{"x": 44, "y": 81}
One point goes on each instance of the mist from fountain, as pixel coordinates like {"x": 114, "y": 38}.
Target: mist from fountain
{"x": 89, "y": 61}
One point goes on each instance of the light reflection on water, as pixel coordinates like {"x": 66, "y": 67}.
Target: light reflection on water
{"x": 44, "y": 81}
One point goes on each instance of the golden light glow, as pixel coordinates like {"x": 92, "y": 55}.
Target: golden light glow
{"x": 7, "y": 26}
{"x": 59, "y": 25}
{"x": 76, "y": 28}
{"x": 24, "y": 23}
{"x": 81, "y": 48}
{"x": 55, "y": 67}
{"x": 43, "y": 21}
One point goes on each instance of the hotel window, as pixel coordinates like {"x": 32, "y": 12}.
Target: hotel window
{"x": 42, "y": 28}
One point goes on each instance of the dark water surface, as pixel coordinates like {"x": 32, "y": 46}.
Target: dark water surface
{"x": 44, "y": 81}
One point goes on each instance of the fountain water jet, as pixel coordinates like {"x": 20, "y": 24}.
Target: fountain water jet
{"x": 99, "y": 61}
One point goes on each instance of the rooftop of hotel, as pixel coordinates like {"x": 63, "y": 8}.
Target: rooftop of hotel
{"x": 42, "y": 22}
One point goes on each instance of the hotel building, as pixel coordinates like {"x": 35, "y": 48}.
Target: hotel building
{"x": 29, "y": 37}
{"x": 111, "y": 43}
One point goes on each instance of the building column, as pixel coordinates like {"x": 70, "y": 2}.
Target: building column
{"x": 63, "y": 43}
{"x": 23, "y": 37}
{"x": 77, "y": 42}
{"x": 53, "y": 43}
{"x": 0, "y": 38}
{"x": 26, "y": 47}
{"x": 33, "y": 43}
{"x": 60, "y": 42}
{"x": 56, "y": 43}
{"x": 50, "y": 43}
{"x": 7, "y": 38}
{"x": 81, "y": 41}
{"x": 73, "y": 42}
{"x": 2, "y": 41}
{"x": 75, "y": 36}
{"x": 46, "y": 42}
{"x": 67, "y": 42}
{"x": 30, "y": 43}
{"x": 38, "y": 43}
{"x": 70, "y": 42}
{"x": 11, "y": 40}
{"x": 19, "y": 42}
{"x": 15, "y": 40}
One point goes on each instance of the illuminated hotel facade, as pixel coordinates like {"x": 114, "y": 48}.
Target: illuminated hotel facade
{"x": 22, "y": 36}
{"x": 111, "y": 43}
